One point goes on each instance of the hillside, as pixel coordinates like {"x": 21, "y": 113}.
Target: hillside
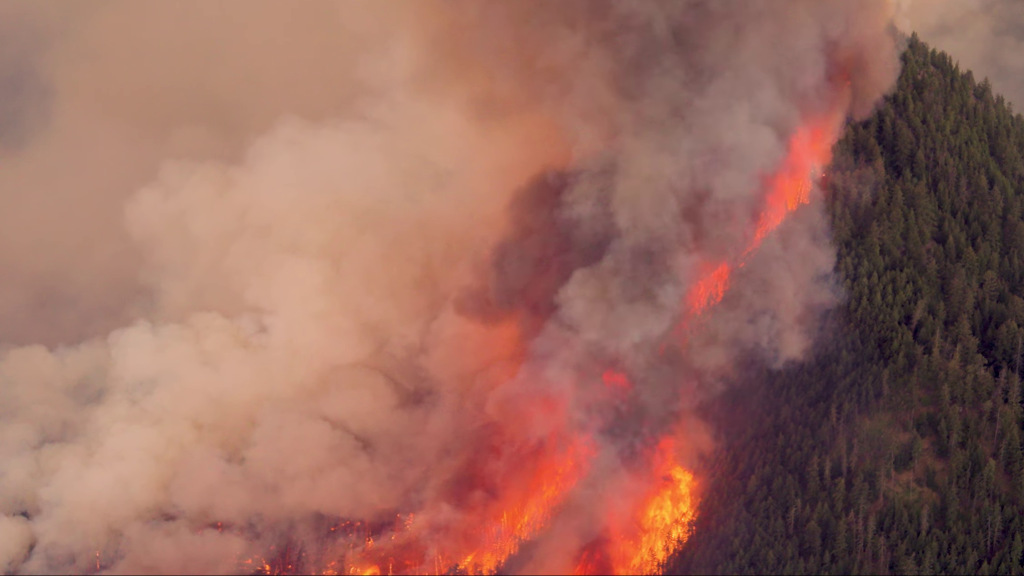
{"x": 897, "y": 449}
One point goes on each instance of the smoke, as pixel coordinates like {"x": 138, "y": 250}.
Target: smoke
{"x": 280, "y": 263}
{"x": 985, "y": 36}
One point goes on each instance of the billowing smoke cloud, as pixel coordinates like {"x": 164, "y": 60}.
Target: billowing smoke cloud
{"x": 280, "y": 263}
{"x": 985, "y": 36}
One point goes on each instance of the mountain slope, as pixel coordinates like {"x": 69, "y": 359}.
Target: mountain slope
{"x": 898, "y": 447}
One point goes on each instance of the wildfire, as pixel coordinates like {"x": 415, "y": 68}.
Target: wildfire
{"x": 708, "y": 290}
{"x": 526, "y": 497}
{"x": 523, "y": 519}
{"x": 526, "y": 503}
{"x": 665, "y": 520}
{"x": 658, "y": 522}
{"x": 809, "y": 151}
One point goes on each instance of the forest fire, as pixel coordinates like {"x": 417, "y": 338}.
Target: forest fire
{"x": 526, "y": 497}
{"x": 444, "y": 294}
{"x": 809, "y": 152}
{"x": 664, "y": 519}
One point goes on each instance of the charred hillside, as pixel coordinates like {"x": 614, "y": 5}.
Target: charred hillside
{"x": 898, "y": 449}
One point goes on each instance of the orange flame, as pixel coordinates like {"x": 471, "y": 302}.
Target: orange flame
{"x": 527, "y": 496}
{"x": 658, "y": 522}
{"x": 522, "y": 518}
{"x": 665, "y": 519}
{"x": 528, "y": 499}
{"x": 709, "y": 290}
{"x": 809, "y": 151}
{"x": 666, "y": 523}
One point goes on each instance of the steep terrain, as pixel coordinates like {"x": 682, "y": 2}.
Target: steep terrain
{"x": 898, "y": 449}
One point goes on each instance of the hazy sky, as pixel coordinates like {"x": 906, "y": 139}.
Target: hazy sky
{"x": 985, "y": 36}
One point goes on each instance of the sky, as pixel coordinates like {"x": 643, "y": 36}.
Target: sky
{"x": 984, "y": 36}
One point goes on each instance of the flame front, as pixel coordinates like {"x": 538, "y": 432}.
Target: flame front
{"x": 530, "y": 493}
{"x": 809, "y": 151}
{"x": 666, "y": 522}
{"x": 665, "y": 518}
{"x": 523, "y": 517}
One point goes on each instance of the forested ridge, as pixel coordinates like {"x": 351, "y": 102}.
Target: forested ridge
{"x": 897, "y": 447}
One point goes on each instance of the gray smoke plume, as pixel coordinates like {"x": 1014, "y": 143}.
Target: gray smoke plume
{"x": 271, "y": 263}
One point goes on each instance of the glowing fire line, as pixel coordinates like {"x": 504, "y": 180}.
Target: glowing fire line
{"x": 663, "y": 518}
{"x": 810, "y": 150}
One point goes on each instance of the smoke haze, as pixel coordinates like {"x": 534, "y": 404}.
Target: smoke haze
{"x": 270, "y": 263}
{"x": 985, "y": 36}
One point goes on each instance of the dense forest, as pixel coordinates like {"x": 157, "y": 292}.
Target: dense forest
{"x": 897, "y": 448}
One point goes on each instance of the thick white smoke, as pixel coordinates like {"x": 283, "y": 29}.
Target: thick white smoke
{"x": 261, "y": 265}
{"x": 281, "y": 286}
{"x": 326, "y": 248}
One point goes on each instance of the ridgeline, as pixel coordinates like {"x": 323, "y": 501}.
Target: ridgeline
{"x": 897, "y": 447}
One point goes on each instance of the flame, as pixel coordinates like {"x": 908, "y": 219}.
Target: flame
{"x": 808, "y": 152}
{"x": 665, "y": 520}
{"x": 708, "y": 290}
{"x": 533, "y": 480}
{"x": 371, "y": 571}
{"x": 655, "y": 525}
{"x": 521, "y": 519}
{"x": 529, "y": 497}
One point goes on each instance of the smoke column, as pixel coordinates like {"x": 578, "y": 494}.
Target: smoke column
{"x": 270, "y": 266}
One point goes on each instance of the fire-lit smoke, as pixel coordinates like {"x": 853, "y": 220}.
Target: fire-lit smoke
{"x": 399, "y": 287}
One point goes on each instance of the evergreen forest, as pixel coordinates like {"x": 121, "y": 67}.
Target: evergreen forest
{"x": 898, "y": 447}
